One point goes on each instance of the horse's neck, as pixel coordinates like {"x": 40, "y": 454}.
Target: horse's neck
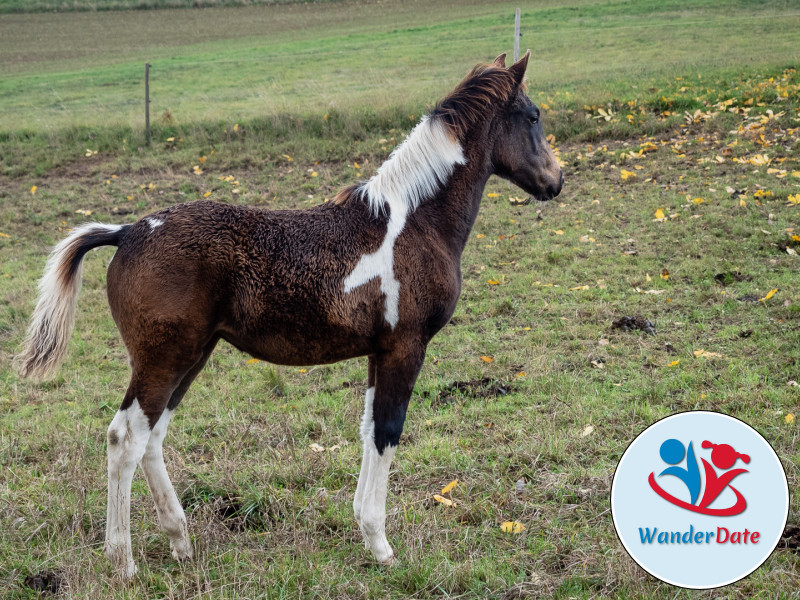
{"x": 456, "y": 206}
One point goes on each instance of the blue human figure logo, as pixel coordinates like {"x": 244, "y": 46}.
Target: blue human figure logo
{"x": 672, "y": 453}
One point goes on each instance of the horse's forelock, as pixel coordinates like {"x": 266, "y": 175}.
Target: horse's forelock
{"x": 484, "y": 86}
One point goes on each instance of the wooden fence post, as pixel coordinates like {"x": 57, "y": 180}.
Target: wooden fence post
{"x": 147, "y": 103}
{"x": 516, "y": 37}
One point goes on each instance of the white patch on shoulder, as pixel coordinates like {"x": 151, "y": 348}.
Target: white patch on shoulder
{"x": 154, "y": 222}
{"x": 413, "y": 173}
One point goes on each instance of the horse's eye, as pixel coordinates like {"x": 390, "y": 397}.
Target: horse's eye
{"x": 533, "y": 119}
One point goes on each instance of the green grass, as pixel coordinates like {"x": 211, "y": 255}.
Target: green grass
{"x": 32, "y": 6}
{"x": 272, "y": 519}
{"x": 237, "y": 63}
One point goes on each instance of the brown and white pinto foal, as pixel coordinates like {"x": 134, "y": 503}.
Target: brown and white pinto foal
{"x": 375, "y": 272}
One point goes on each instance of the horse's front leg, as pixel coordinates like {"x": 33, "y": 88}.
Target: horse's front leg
{"x": 387, "y": 400}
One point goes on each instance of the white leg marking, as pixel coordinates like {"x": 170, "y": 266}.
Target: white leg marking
{"x": 169, "y": 509}
{"x": 367, "y": 435}
{"x": 154, "y": 222}
{"x": 127, "y": 439}
{"x": 414, "y": 171}
{"x": 373, "y": 509}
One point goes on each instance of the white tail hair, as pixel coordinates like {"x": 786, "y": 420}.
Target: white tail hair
{"x": 53, "y": 318}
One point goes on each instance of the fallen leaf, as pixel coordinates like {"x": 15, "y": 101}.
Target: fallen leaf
{"x": 660, "y": 214}
{"x": 674, "y": 363}
{"x": 707, "y": 354}
{"x": 443, "y": 500}
{"x": 789, "y": 418}
{"x": 253, "y": 361}
{"x": 494, "y": 282}
{"x": 317, "y": 448}
{"x": 664, "y": 274}
{"x": 33, "y": 189}
{"x": 487, "y": 359}
{"x": 587, "y": 430}
{"x": 492, "y": 195}
{"x": 449, "y": 487}
{"x": 512, "y": 527}
{"x": 769, "y": 295}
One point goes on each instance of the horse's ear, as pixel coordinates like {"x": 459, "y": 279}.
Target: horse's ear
{"x": 500, "y": 61}
{"x": 519, "y": 67}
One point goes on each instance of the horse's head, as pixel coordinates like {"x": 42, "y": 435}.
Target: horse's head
{"x": 521, "y": 153}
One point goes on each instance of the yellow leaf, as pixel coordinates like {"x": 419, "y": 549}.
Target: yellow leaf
{"x": 494, "y": 282}
{"x": 769, "y": 295}
{"x": 480, "y": 236}
{"x": 664, "y": 274}
{"x": 450, "y": 486}
{"x": 443, "y": 500}
{"x": 129, "y": 197}
{"x": 302, "y": 370}
{"x": 493, "y": 195}
{"x": 487, "y": 359}
{"x": 314, "y": 174}
{"x": 789, "y": 418}
{"x": 580, "y": 287}
{"x": 289, "y": 158}
{"x": 33, "y": 189}
{"x": 660, "y": 214}
{"x": 521, "y": 374}
{"x": 236, "y": 127}
{"x": 796, "y": 238}
{"x": 206, "y": 195}
{"x": 356, "y": 165}
{"x": 707, "y": 354}
{"x": 674, "y": 363}
{"x": 742, "y": 203}
{"x": 253, "y": 361}
{"x": 172, "y": 139}
{"x": 559, "y": 232}
{"x": 512, "y": 527}
{"x": 202, "y": 159}
{"x": 626, "y": 174}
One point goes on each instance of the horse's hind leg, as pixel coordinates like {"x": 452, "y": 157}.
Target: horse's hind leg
{"x": 128, "y": 435}
{"x": 157, "y": 375}
{"x": 169, "y": 509}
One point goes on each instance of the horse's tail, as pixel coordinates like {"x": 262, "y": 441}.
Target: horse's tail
{"x": 54, "y": 316}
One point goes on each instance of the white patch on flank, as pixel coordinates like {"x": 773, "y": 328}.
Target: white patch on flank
{"x": 414, "y": 172}
{"x": 54, "y": 316}
{"x": 154, "y": 222}
{"x": 169, "y": 509}
{"x": 128, "y": 435}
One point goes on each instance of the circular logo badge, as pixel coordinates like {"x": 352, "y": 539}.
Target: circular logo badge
{"x": 699, "y": 500}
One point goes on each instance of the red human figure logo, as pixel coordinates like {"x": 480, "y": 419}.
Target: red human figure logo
{"x": 724, "y": 457}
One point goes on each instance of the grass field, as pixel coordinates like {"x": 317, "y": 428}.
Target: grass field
{"x": 678, "y": 126}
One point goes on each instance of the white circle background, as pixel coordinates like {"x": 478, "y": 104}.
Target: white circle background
{"x": 635, "y": 505}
